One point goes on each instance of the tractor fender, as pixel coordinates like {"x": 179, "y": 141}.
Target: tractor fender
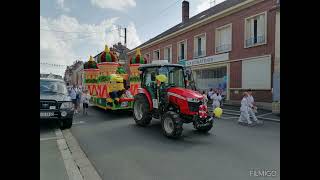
{"x": 147, "y": 94}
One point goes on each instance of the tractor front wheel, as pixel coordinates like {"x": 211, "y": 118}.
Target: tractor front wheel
{"x": 171, "y": 125}
{"x": 141, "y": 112}
{"x": 203, "y": 128}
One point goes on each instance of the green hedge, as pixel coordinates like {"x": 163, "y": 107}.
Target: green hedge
{"x": 120, "y": 70}
{"x": 90, "y": 80}
{"x": 104, "y": 78}
{"x": 134, "y": 79}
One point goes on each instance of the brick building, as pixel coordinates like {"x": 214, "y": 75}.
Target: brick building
{"x": 229, "y": 46}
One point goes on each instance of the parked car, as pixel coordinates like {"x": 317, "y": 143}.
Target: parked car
{"x": 55, "y": 102}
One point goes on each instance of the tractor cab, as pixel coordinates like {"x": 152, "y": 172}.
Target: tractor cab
{"x": 173, "y": 73}
{"x": 164, "y": 95}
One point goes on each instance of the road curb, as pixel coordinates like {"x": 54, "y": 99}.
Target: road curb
{"x": 71, "y": 167}
{"x": 85, "y": 167}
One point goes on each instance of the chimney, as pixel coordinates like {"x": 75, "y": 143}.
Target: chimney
{"x": 185, "y": 11}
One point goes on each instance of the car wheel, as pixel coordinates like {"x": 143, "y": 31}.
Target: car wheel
{"x": 65, "y": 123}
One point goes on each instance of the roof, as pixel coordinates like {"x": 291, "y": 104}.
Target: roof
{"x": 204, "y": 14}
{"x": 52, "y": 79}
{"x": 121, "y": 49}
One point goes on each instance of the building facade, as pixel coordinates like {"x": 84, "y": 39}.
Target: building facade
{"x": 230, "y": 46}
{"x": 74, "y": 74}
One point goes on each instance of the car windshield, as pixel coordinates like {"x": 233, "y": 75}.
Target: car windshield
{"x": 175, "y": 75}
{"x": 53, "y": 87}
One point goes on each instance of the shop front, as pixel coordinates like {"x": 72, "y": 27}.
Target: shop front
{"x": 211, "y": 72}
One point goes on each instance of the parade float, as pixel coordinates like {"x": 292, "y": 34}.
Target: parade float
{"x": 134, "y": 79}
{"x": 106, "y": 82}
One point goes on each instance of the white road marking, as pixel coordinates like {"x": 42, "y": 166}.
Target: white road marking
{"x": 70, "y": 165}
{"x": 230, "y": 117}
{"x": 260, "y": 118}
{"x": 231, "y": 110}
{"x": 80, "y": 122}
{"x": 49, "y": 138}
{"x": 264, "y": 114}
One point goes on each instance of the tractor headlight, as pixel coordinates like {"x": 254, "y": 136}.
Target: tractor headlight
{"x": 193, "y": 100}
{"x": 66, "y": 105}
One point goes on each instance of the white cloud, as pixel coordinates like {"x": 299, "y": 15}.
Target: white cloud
{"x": 119, "y": 5}
{"x": 205, "y": 4}
{"x": 61, "y": 5}
{"x": 70, "y": 45}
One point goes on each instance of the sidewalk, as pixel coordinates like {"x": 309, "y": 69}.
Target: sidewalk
{"x": 52, "y": 166}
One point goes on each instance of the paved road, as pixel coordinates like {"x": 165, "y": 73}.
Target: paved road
{"x": 119, "y": 149}
{"x": 51, "y": 163}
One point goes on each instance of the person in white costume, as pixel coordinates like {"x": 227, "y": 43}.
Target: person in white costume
{"x": 252, "y": 107}
{"x": 216, "y": 98}
{"x": 205, "y": 98}
{"x": 244, "y": 109}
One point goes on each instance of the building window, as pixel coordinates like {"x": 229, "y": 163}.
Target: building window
{"x": 156, "y": 54}
{"x": 256, "y": 30}
{"x": 168, "y": 53}
{"x": 199, "y": 46}
{"x": 215, "y": 77}
{"x": 182, "y": 50}
{"x": 256, "y": 73}
{"x": 147, "y": 57}
{"x": 223, "y": 39}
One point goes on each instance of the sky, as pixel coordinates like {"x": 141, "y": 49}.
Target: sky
{"x": 73, "y": 30}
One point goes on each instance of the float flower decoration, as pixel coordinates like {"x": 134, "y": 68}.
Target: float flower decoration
{"x": 91, "y": 64}
{"x": 138, "y": 59}
{"x": 107, "y": 56}
{"x": 203, "y": 111}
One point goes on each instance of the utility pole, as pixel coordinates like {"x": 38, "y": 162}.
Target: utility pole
{"x": 125, "y": 37}
{"x": 125, "y": 34}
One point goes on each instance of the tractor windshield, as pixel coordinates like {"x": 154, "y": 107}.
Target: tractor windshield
{"x": 175, "y": 76}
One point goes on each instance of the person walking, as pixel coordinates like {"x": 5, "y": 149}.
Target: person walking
{"x": 244, "y": 110}
{"x": 252, "y": 107}
{"x": 78, "y": 99}
{"x": 205, "y": 98}
{"x": 216, "y": 98}
{"x": 210, "y": 94}
{"x": 73, "y": 95}
{"x": 85, "y": 101}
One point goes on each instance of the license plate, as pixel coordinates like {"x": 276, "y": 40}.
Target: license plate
{"x": 46, "y": 114}
{"x": 124, "y": 104}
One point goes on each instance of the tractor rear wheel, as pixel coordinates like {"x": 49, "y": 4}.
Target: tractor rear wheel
{"x": 171, "y": 124}
{"x": 141, "y": 112}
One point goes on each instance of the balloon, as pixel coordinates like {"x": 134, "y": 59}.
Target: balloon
{"x": 217, "y": 112}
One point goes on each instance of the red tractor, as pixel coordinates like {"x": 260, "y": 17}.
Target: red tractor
{"x": 164, "y": 95}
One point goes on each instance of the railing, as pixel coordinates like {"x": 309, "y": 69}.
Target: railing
{"x": 198, "y": 53}
{"x": 223, "y": 48}
{"x": 255, "y": 40}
